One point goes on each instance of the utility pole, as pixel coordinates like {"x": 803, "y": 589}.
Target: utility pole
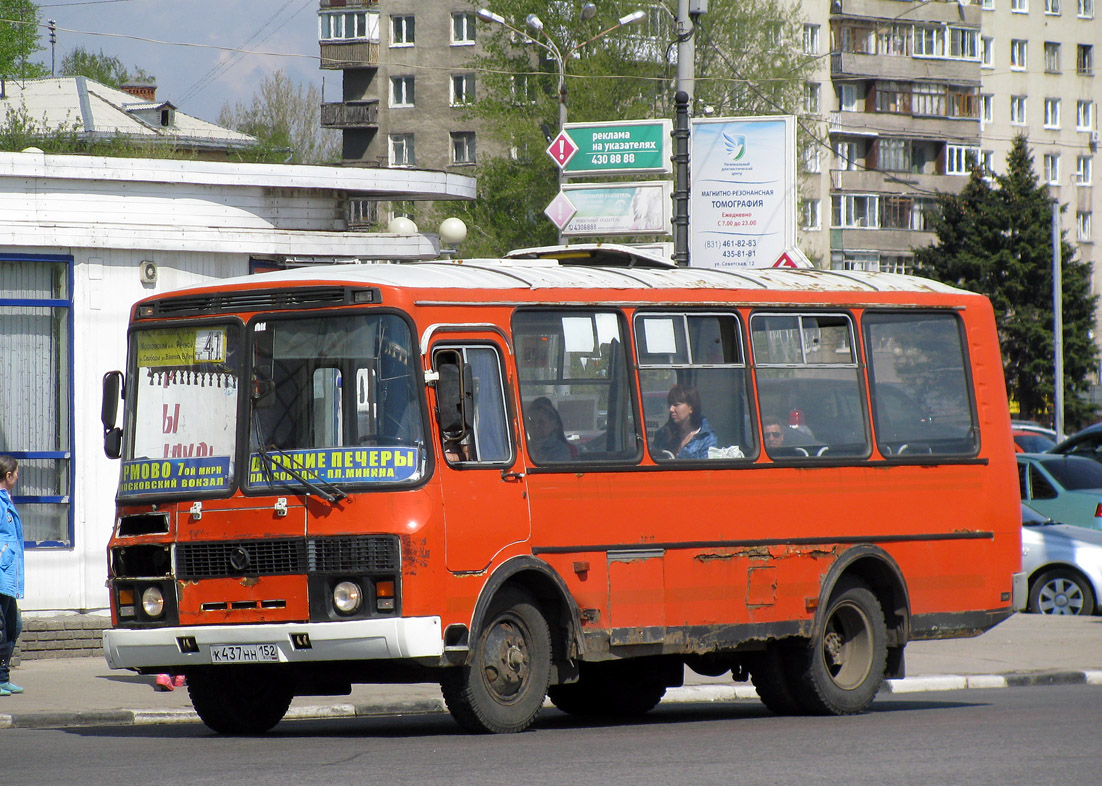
{"x": 52, "y": 25}
{"x": 1057, "y": 325}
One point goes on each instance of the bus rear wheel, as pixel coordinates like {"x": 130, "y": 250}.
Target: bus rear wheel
{"x": 770, "y": 674}
{"x": 503, "y": 687}
{"x": 842, "y": 668}
{"x": 239, "y": 699}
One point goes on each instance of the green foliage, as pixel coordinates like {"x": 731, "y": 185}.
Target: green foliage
{"x": 105, "y": 69}
{"x": 627, "y": 74}
{"x": 19, "y": 39}
{"x": 997, "y": 240}
{"x": 285, "y": 117}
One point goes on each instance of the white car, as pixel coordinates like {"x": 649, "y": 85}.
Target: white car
{"x": 1063, "y": 565}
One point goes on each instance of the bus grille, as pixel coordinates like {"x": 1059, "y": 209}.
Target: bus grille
{"x": 353, "y": 554}
{"x": 287, "y": 556}
{"x": 240, "y": 558}
{"x": 256, "y": 300}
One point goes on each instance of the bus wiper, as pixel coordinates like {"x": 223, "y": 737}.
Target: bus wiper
{"x": 265, "y": 454}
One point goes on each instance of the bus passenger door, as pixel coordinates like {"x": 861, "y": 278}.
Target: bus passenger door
{"x": 483, "y": 485}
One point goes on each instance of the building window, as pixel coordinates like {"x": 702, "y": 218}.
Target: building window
{"x": 524, "y": 89}
{"x": 401, "y": 31}
{"x": 1051, "y": 169}
{"x": 463, "y": 29}
{"x": 855, "y": 211}
{"x": 929, "y": 41}
{"x": 811, "y": 98}
{"x": 1083, "y": 170}
{"x": 848, "y": 154}
{"x": 963, "y": 102}
{"x": 897, "y": 263}
{"x": 1018, "y": 54}
{"x": 463, "y": 150}
{"x": 893, "y": 97}
{"x": 855, "y": 260}
{"x": 1084, "y": 115}
{"x": 1083, "y": 226}
{"x": 1052, "y": 57}
{"x": 401, "y": 91}
{"x": 1086, "y": 9}
{"x": 462, "y": 89}
{"x": 987, "y": 51}
{"x": 348, "y": 26}
{"x": 959, "y": 159}
{"x": 36, "y": 339}
{"x": 401, "y": 150}
{"x": 987, "y": 162}
{"x": 987, "y": 108}
{"x": 988, "y": 5}
{"x": 1052, "y": 7}
{"x": 1052, "y": 113}
{"x": 893, "y": 155}
{"x": 811, "y": 214}
{"x": 811, "y": 39}
{"x": 1019, "y": 6}
{"x": 1017, "y": 110}
{"x": 859, "y": 39}
{"x": 928, "y": 98}
{"x": 811, "y": 158}
{"x": 847, "y": 98}
{"x": 964, "y": 43}
{"x": 1084, "y": 60}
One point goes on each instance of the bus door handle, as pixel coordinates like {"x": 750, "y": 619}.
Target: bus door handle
{"x": 511, "y": 477}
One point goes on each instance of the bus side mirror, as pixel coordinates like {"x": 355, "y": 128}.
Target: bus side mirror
{"x": 454, "y": 396}
{"x": 109, "y": 412}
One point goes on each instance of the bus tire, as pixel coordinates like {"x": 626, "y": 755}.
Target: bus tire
{"x": 239, "y": 699}
{"x": 609, "y": 690}
{"x": 503, "y": 687}
{"x": 1061, "y": 591}
{"x": 770, "y": 674}
{"x": 841, "y": 670}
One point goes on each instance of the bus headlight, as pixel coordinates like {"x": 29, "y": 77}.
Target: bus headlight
{"x": 347, "y": 597}
{"x": 153, "y": 602}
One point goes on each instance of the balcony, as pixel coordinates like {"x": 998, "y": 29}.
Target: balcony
{"x": 330, "y": 4}
{"x": 950, "y": 13}
{"x": 338, "y": 55}
{"x": 352, "y": 114}
{"x": 901, "y": 67}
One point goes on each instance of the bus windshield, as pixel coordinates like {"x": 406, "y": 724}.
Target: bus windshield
{"x": 333, "y": 401}
{"x": 185, "y": 381}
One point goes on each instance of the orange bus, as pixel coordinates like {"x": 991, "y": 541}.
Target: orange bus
{"x": 569, "y": 475}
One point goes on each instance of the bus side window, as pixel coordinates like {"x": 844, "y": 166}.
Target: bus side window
{"x": 573, "y": 371}
{"x": 919, "y": 383}
{"x": 471, "y": 411}
{"x": 690, "y": 355}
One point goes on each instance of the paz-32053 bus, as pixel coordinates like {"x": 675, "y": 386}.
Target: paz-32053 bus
{"x": 566, "y": 477}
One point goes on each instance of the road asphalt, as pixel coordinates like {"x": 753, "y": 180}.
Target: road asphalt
{"x": 1027, "y": 649}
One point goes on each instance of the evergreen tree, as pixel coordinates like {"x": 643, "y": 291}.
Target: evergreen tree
{"x": 997, "y": 240}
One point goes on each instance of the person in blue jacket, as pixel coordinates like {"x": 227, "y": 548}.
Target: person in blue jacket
{"x": 11, "y": 572}
{"x": 687, "y": 434}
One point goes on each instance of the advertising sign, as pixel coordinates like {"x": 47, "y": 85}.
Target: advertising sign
{"x": 334, "y": 465}
{"x": 743, "y": 192}
{"x": 617, "y": 209}
{"x": 616, "y": 148}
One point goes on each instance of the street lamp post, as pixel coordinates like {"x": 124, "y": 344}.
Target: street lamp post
{"x": 552, "y": 48}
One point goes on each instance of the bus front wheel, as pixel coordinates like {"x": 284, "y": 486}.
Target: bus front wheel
{"x": 239, "y": 699}
{"x": 841, "y": 670}
{"x": 503, "y": 686}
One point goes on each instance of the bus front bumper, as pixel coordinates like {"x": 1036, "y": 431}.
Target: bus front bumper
{"x": 406, "y": 637}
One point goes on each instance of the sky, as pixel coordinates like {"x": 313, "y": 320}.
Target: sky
{"x": 203, "y": 53}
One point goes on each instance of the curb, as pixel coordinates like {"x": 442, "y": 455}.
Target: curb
{"x": 683, "y": 695}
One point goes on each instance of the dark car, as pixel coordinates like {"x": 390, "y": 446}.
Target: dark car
{"x": 1086, "y": 443}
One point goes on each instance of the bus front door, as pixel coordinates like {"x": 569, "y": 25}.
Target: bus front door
{"x": 484, "y": 489}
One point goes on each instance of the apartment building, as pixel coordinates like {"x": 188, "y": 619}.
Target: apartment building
{"x": 407, "y": 81}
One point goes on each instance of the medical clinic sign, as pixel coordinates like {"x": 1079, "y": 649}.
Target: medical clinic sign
{"x": 743, "y": 192}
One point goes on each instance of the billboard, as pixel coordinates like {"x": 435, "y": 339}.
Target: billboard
{"x": 743, "y": 191}
{"x": 612, "y": 209}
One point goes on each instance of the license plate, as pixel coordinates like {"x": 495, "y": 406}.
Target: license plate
{"x": 244, "y": 653}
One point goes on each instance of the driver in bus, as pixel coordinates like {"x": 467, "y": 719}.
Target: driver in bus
{"x": 686, "y": 434}
{"x": 546, "y": 438}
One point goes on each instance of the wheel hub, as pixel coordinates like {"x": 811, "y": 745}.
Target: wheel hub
{"x": 506, "y": 660}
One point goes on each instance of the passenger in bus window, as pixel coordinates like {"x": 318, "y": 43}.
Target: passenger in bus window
{"x": 546, "y": 438}
{"x": 686, "y": 434}
{"x": 772, "y": 433}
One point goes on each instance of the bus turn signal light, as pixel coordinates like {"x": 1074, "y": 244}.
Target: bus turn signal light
{"x": 384, "y": 595}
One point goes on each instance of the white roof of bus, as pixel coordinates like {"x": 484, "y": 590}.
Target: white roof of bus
{"x": 546, "y": 274}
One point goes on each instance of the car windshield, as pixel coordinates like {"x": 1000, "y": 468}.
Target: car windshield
{"x": 1031, "y": 518}
{"x": 1033, "y": 443}
{"x": 1074, "y": 473}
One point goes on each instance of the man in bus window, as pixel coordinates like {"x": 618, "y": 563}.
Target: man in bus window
{"x": 773, "y": 433}
{"x": 686, "y": 434}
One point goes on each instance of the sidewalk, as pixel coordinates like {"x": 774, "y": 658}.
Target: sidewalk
{"x": 1027, "y": 649}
